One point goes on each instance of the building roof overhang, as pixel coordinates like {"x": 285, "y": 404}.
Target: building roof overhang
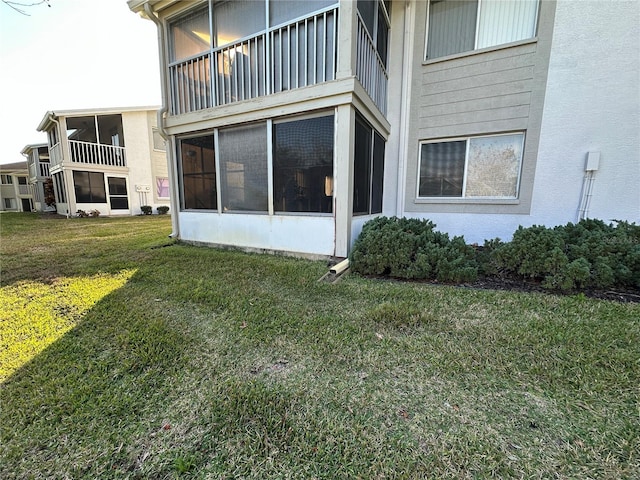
{"x": 137, "y": 6}
{"x": 50, "y": 117}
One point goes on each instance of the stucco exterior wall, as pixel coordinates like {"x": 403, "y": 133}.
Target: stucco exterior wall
{"x": 592, "y": 104}
{"x": 286, "y": 233}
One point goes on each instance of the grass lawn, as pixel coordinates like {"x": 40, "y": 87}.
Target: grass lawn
{"x": 123, "y": 355}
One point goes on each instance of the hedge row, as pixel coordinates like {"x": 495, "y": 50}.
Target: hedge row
{"x": 589, "y": 254}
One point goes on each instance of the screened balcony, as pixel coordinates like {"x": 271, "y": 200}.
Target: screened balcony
{"x": 96, "y": 140}
{"x": 297, "y": 51}
{"x": 226, "y": 52}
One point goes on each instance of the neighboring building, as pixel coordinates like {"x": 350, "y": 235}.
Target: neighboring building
{"x": 111, "y": 160}
{"x": 38, "y": 167}
{"x": 292, "y": 123}
{"x": 15, "y": 192}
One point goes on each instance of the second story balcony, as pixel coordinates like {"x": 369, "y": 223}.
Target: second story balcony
{"x": 86, "y": 139}
{"x": 225, "y": 52}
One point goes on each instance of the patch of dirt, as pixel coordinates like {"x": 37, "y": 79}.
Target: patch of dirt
{"x": 491, "y": 283}
{"x": 517, "y": 285}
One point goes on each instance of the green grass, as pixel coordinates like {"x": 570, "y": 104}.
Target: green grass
{"x": 200, "y": 363}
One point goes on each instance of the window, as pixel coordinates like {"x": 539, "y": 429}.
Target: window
{"x": 462, "y": 26}
{"x": 303, "y": 165}
{"x": 22, "y": 180}
{"x": 474, "y": 167}
{"x": 6, "y": 179}
{"x": 52, "y": 136}
{"x": 118, "y": 198}
{"x": 10, "y": 203}
{"x": 235, "y": 20}
{"x": 375, "y": 15}
{"x": 368, "y": 169}
{"x": 158, "y": 141}
{"x": 243, "y": 168}
{"x": 89, "y": 187}
{"x": 162, "y": 187}
{"x": 190, "y": 35}
{"x": 198, "y": 167}
{"x": 282, "y": 11}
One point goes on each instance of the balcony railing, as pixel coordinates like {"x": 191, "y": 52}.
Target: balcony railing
{"x": 293, "y": 55}
{"x": 23, "y": 190}
{"x": 370, "y": 69}
{"x": 97, "y": 154}
{"x": 44, "y": 170}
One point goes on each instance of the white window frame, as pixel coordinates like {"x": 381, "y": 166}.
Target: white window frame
{"x": 475, "y": 42}
{"x": 467, "y": 139}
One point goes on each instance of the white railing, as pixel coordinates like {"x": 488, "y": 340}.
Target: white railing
{"x": 44, "y": 170}
{"x": 370, "y": 68}
{"x": 293, "y": 55}
{"x": 23, "y": 190}
{"x": 97, "y": 154}
{"x": 55, "y": 154}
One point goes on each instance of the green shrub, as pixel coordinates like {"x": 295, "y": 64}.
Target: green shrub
{"x": 162, "y": 210}
{"x": 411, "y": 248}
{"x": 146, "y": 209}
{"x": 589, "y": 254}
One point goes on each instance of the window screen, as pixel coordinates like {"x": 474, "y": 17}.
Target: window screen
{"x": 190, "y": 35}
{"x": 198, "y": 169}
{"x": 303, "y": 165}
{"x": 243, "y": 168}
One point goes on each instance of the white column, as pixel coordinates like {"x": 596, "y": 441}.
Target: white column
{"x": 343, "y": 178}
{"x": 347, "y": 39}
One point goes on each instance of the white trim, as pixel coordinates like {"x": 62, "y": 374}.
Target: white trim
{"x": 216, "y": 159}
{"x": 269, "y": 127}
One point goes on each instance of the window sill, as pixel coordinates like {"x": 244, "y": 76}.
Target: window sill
{"x": 467, "y": 201}
{"x": 479, "y": 51}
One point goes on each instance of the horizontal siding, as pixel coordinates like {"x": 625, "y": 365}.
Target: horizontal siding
{"x": 461, "y": 105}
{"x": 484, "y": 92}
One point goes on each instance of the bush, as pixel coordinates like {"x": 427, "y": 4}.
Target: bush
{"x": 146, "y": 209}
{"x": 162, "y": 209}
{"x": 90, "y": 213}
{"x": 411, "y": 248}
{"x": 589, "y": 254}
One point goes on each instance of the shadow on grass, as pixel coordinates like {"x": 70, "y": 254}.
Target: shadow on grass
{"x": 84, "y": 406}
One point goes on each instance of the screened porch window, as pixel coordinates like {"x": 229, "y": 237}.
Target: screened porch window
{"x": 190, "y": 35}
{"x": 243, "y": 168}
{"x": 303, "y": 165}
{"x": 198, "y": 168}
{"x": 474, "y": 167}
{"x": 457, "y": 26}
{"x": 368, "y": 169}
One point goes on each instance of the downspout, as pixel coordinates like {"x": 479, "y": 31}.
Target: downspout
{"x": 175, "y": 226}
{"x": 64, "y": 180}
